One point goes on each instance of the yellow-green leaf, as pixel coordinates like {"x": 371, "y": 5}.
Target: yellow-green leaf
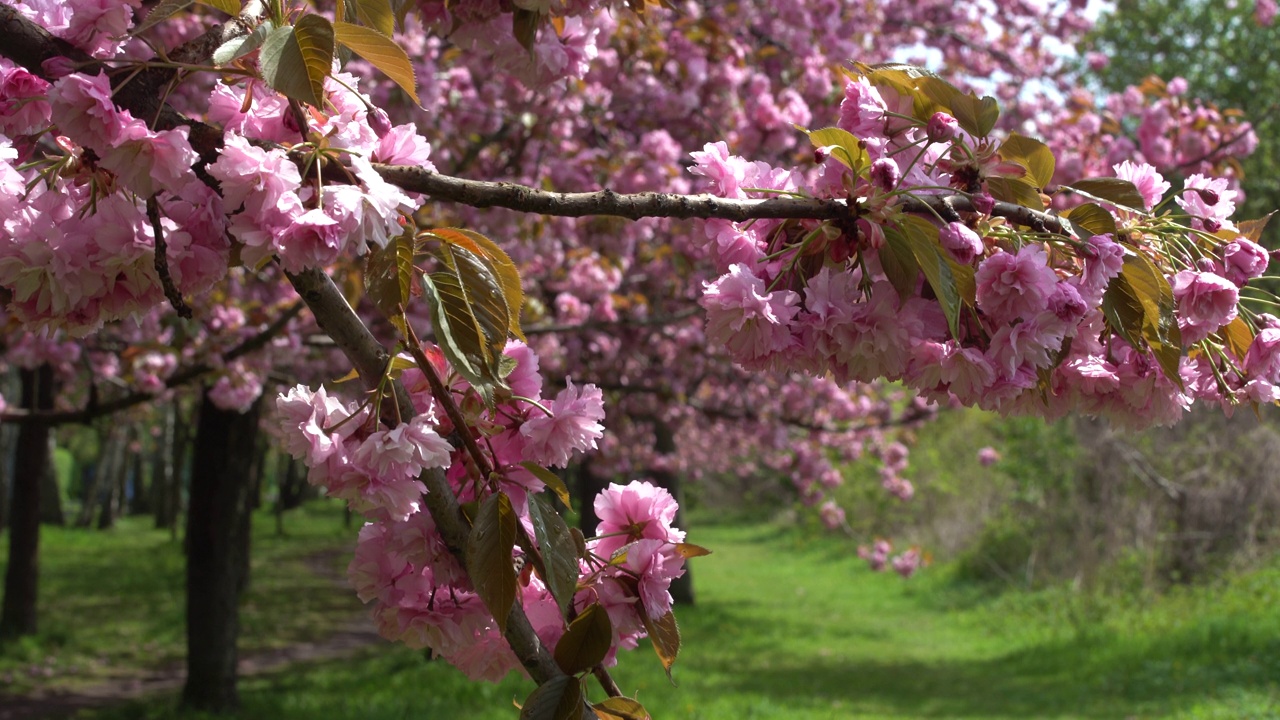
{"x": 921, "y": 237}
{"x": 230, "y": 7}
{"x": 899, "y": 264}
{"x": 1112, "y": 190}
{"x": 377, "y": 14}
{"x": 1139, "y": 305}
{"x": 664, "y": 633}
{"x": 1252, "y": 229}
{"x": 524, "y": 25}
{"x": 621, "y": 708}
{"x": 388, "y": 275}
{"x": 1031, "y": 154}
{"x": 586, "y": 642}
{"x": 162, "y": 11}
{"x": 847, "y": 148}
{"x": 550, "y": 479}
{"x": 488, "y": 556}
{"x": 1092, "y": 218}
{"x": 1237, "y": 337}
{"x": 1018, "y": 192}
{"x": 976, "y": 115}
{"x": 689, "y": 550}
{"x": 382, "y": 52}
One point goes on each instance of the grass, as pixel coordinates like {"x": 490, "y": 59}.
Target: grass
{"x": 112, "y": 602}
{"x": 791, "y": 626}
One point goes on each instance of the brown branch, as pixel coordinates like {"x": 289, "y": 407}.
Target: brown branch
{"x": 161, "y": 263}
{"x": 484, "y": 194}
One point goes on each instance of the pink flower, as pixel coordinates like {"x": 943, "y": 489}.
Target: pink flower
{"x": 741, "y": 315}
{"x": 1206, "y": 302}
{"x": 1264, "y": 12}
{"x": 655, "y": 566}
{"x": 942, "y": 128}
{"x": 82, "y": 108}
{"x": 1209, "y": 201}
{"x": 988, "y": 456}
{"x": 963, "y": 243}
{"x": 573, "y": 425}
{"x": 1151, "y": 185}
{"x": 1012, "y": 286}
{"x": 832, "y": 515}
{"x": 862, "y": 112}
{"x": 24, "y": 107}
{"x": 907, "y": 563}
{"x": 1244, "y": 260}
{"x": 636, "y": 511}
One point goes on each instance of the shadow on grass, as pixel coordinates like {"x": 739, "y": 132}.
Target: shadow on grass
{"x": 1104, "y": 676}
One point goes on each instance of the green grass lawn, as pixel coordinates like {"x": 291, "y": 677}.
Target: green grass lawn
{"x": 113, "y": 601}
{"x": 793, "y": 628}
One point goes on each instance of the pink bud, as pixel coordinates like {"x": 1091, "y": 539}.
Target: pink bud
{"x": 885, "y": 174}
{"x": 942, "y": 128}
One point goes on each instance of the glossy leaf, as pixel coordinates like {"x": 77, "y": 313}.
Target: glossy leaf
{"x": 550, "y": 479}
{"x": 1237, "y": 337}
{"x": 499, "y": 263}
{"x": 388, "y": 274}
{"x": 1092, "y": 218}
{"x": 1031, "y": 154}
{"x": 586, "y": 642}
{"x": 296, "y": 60}
{"x": 922, "y": 239}
{"x": 558, "y": 564}
{"x": 382, "y": 52}
{"x": 1113, "y": 190}
{"x": 899, "y": 264}
{"x": 488, "y": 555}
{"x": 559, "y": 698}
{"x": 847, "y": 148}
{"x": 621, "y": 708}
{"x": 664, "y": 633}
{"x": 1018, "y": 192}
{"x": 470, "y": 316}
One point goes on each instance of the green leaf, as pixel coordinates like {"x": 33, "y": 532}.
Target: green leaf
{"x": 470, "y": 315}
{"x": 1112, "y": 190}
{"x": 376, "y": 14}
{"x": 559, "y": 698}
{"x": 586, "y": 642}
{"x": 241, "y": 46}
{"x": 524, "y": 25}
{"x": 382, "y": 52}
{"x": 500, "y": 264}
{"x": 942, "y": 93}
{"x": 488, "y": 555}
{"x": 1139, "y": 305}
{"x": 1031, "y": 154}
{"x": 296, "y": 60}
{"x": 899, "y": 263}
{"x": 550, "y": 479}
{"x": 1092, "y": 218}
{"x": 977, "y": 116}
{"x": 621, "y": 708}
{"x": 848, "y": 149}
{"x": 664, "y": 633}
{"x": 388, "y": 275}
{"x": 558, "y": 564}
{"x": 921, "y": 238}
{"x": 1019, "y": 192}
{"x": 230, "y": 7}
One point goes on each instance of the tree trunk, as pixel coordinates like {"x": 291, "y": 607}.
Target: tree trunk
{"x": 8, "y": 447}
{"x": 18, "y": 616}
{"x": 140, "y": 500}
{"x": 50, "y": 491}
{"x": 217, "y": 540}
{"x": 98, "y": 480}
{"x": 108, "y": 479}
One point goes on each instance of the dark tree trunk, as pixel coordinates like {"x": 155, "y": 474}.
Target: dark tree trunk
{"x": 217, "y": 540}
{"x": 18, "y": 616}
{"x": 50, "y": 491}
{"x": 108, "y": 480}
{"x": 98, "y": 482}
{"x": 665, "y": 444}
{"x": 140, "y": 501}
{"x": 585, "y": 489}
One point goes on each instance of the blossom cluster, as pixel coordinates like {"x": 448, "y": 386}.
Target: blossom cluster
{"x": 1033, "y": 337}
{"x": 422, "y": 596}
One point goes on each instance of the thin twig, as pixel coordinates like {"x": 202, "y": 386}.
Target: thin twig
{"x": 180, "y": 306}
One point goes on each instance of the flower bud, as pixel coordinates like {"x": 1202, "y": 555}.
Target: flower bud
{"x": 983, "y": 203}
{"x": 885, "y": 174}
{"x": 942, "y": 128}
{"x": 379, "y": 121}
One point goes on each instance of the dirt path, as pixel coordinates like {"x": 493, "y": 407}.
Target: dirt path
{"x": 358, "y": 634}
